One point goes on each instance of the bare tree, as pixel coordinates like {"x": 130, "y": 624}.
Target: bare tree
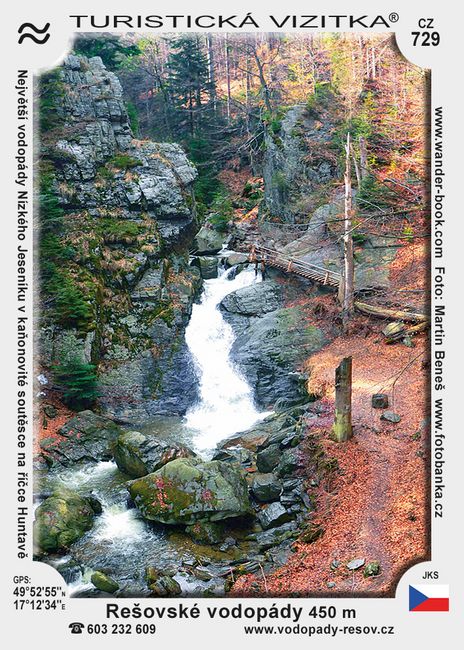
{"x": 348, "y": 262}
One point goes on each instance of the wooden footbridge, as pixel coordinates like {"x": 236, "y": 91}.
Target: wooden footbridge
{"x": 271, "y": 257}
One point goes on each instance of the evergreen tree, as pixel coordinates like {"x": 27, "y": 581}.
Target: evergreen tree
{"x": 79, "y": 382}
{"x": 189, "y": 82}
{"x": 113, "y": 51}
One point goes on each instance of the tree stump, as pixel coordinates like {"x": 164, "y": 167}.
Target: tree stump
{"x": 342, "y": 429}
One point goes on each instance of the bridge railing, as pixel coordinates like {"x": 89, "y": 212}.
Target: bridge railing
{"x": 299, "y": 267}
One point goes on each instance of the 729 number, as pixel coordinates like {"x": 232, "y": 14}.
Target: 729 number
{"x": 426, "y": 39}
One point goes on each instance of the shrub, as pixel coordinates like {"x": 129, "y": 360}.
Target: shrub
{"x": 222, "y": 212}
{"x": 71, "y": 308}
{"x": 373, "y": 194}
{"x": 219, "y": 221}
{"x": 51, "y": 90}
{"x": 79, "y": 383}
{"x": 114, "y": 52}
{"x": 275, "y": 125}
{"x": 408, "y": 233}
{"x": 320, "y": 99}
{"x": 105, "y": 173}
{"x": 51, "y": 212}
{"x": 280, "y": 181}
{"x": 133, "y": 116}
{"x": 124, "y": 161}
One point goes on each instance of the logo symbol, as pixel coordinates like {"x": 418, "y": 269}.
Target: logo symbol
{"x": 76, "y": 628}
{"x": 36, "y": 30}
{"x": 428, "y": 598}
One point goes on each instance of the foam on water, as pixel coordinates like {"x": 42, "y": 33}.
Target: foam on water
{"x": 226, "y": 399}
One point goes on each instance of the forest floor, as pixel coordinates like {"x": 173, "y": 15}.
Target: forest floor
{"x": 48, "y": 427}
{"x": 373, "y": 507}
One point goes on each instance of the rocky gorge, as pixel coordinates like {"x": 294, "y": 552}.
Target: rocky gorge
{"x": 130, "y": 498}
{"x": 182, "y": 440}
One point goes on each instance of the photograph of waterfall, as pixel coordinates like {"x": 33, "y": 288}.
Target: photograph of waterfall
{"x": 232, "y": 318}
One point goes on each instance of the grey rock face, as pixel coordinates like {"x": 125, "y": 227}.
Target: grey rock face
{"x": 254, "y": 300}
{"x": 271, "y": 348}
{"x": 133, "y": 202}
{"x": 294, "y": 163}
{"x": 317, "y": 245}
{"x": 85, "y": 437}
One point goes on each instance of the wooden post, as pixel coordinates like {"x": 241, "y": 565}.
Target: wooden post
{"x": 342, "y": 429}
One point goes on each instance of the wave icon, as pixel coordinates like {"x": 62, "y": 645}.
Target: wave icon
{"x": 35, "y": 29}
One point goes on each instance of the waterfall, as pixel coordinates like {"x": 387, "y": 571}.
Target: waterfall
{"x": 226, "y": 399}
{"x": 121, "y": 540}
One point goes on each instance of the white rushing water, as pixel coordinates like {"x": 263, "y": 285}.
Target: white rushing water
{"x": 120, "y": 538}
{"x": 226, "y": 399}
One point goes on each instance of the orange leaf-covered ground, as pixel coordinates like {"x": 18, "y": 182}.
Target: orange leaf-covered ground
{"x": 46, "y": 427}
{"x": 375, "y": 506}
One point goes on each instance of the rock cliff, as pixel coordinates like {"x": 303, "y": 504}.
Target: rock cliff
{"x": 128, "y": 218}
{"x": 297, "y": 163}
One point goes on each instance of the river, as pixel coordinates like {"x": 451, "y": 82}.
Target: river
{"x": 121, "y": 542}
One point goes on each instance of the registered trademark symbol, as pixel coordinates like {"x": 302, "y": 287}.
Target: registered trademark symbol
{"x": 394, "y": 17}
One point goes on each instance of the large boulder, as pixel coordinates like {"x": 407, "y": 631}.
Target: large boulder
{"x": 270, "y": 350}
{"x": 233, "y": 258}
{"x": 266, "y": 487}
{"x": 254, "y": 300}
{"x": 187, "y": 490}
{"x": 61, "y": 520}
{"x": 138, "y": 454}
{"x": 86, "y": 437}
{"x": 208, "y": 266}
{"x": 208, "y": 241}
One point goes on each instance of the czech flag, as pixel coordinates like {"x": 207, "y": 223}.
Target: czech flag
{"x": 428, "y": 598}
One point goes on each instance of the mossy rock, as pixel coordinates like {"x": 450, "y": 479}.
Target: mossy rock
{"x": 188, "y": 490}
{"x": 311, "y": 533}
{"x": 208, "y": 241}
{"x": 206, "y": 532}
{"x": 137, "y": 454}
{"x": 166, "y": 586}
{"x": 62, "y": 519}
{"x": 103, "y": 582}
{"x": 372, "y": 569}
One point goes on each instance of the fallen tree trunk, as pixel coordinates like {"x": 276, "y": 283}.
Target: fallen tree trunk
{"x": 383, "y": 312}
{"x": 401, "y": 331}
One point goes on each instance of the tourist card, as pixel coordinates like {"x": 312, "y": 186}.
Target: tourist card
{"x": 231, "y": 324}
